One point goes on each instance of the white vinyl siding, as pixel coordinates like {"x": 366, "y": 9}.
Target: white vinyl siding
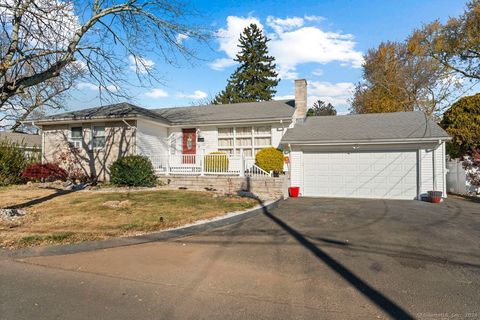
{"x": 296, "y": 169}
{"x": 151, "y": 138}
{"x": 427, "y": 180}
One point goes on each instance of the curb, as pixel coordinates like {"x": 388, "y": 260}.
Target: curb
{"x": 134, "y": 240}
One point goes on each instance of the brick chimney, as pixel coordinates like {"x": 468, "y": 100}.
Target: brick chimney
{"x": 300, "y": 99}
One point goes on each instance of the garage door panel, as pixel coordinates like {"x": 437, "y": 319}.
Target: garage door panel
{"x": 361, "y": 174}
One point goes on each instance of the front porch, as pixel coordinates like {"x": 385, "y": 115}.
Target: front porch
{"x": 219, "y": 164}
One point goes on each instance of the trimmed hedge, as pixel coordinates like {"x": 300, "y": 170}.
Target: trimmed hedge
{"x": 132, "y": 171}
{"x": 44, "y": 172}
{"x": 270, "y": 159}
{"x": 216, "y": 161}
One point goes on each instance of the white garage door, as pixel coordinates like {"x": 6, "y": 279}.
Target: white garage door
{"x": 390, "y": 175}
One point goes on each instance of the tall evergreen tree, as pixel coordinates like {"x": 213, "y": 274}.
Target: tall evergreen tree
{"x": 255, "y": 78}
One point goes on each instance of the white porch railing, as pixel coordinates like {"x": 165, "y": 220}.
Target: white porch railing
{"x": 208, "y": 164}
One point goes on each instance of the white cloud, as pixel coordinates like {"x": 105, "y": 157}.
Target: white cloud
{"x": 156, "y": 93}
{"x": 292, "y": 43}
{"x": 331, "y": 89}
{"x": 311, "y": 44}
{"x": 95, "y": 87}
{"x": 87, "y": 85}
{"x": 314, "y": 18}
{"x": 222, "y": 63}
{"x": 196, "y": 95}
{"x": 180, "y": 38}
{"x": 140, "y": 64}
{"x": 337, "y": 94}
{"x": 280, "y": 25}
{"x": 228, "y": 39}
{"x": 285, "y": 97}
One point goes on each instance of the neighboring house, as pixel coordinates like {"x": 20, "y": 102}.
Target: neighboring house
{"x": 380, "y": 156}
{"x": 29, "y": 143}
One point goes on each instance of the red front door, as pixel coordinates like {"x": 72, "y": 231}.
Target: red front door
{"x": 189, "y": 145}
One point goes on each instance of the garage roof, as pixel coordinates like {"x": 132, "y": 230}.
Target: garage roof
{"x": 365, "y": 127}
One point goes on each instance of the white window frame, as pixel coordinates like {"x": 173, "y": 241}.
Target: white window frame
{"x": 235, "y": 149}
{"x": 75, "y": 142}
{"x": 92, "y": 137}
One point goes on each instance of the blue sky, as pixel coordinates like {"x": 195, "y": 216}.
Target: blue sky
{"x": 321, "y": 41}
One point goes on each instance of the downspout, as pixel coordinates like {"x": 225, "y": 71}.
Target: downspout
{"x": 434, "y": 157}
{"x": 419, "y": 170}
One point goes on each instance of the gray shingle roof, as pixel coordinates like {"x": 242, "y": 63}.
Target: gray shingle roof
{"x": 29, "y": 140}
{"x": 365, "y": 127}
{"x": 118, "y": 110}
{"x": 275, "y": 109}
{"x": 264, "y": 110}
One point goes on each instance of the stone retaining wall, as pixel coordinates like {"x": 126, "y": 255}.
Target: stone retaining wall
{"x": 265, "y": 188}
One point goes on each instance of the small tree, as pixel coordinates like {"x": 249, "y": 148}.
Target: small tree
{"x": 12, "y": 162}
{"x": 255, "y": 78}
{"x": 44, "y": 172}
{"x": 270, "y": 159}
{"x": 462, "y": 122}
{"x": 320, "y": 108}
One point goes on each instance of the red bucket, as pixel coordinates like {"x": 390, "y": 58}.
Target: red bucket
{"x": 435, "y": 196}
{"x": 293, "y": 191}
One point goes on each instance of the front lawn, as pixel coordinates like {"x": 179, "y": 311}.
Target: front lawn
{"x": 55, "y": 217}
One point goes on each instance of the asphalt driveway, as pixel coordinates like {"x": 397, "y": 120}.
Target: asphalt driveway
{"x": 306, "y": 259}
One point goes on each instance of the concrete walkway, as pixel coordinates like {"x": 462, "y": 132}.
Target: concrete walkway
{"x": 306, "y": 259}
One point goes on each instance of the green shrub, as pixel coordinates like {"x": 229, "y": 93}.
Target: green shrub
{"x": 12, "y": 162}
{"x": 216, "y": 162}
{"x": 270, "y": 159}
{"x": 462, "y": 122}
{"x": 134, "y": 171}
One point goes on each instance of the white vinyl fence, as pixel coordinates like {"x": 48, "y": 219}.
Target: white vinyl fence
{"x": 456, "y": 177}
{"x": 207, "y": 164}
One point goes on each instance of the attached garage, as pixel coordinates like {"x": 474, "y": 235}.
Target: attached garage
{"x": 386, "y": 156}
{"x": 381, "y": 174}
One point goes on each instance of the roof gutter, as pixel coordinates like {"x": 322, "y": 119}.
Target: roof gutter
{"x": 94, "y": 119}
{"x": 360, "y": 142}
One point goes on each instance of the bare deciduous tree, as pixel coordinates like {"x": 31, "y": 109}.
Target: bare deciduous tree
{"x": 47, "y": 44}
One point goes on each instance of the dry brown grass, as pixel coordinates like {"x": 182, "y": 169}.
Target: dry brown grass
{"x": 90, "y": 215}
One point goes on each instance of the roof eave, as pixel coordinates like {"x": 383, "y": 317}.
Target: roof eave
{"x": 227, "y": 122}
{"x": 92, "y": 119}
{"x": 372, "y": 141}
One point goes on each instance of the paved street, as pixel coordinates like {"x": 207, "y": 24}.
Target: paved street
{"x": 306, "y": 259}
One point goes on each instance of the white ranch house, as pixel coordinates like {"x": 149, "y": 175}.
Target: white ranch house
{"x": 397, "y": 155}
